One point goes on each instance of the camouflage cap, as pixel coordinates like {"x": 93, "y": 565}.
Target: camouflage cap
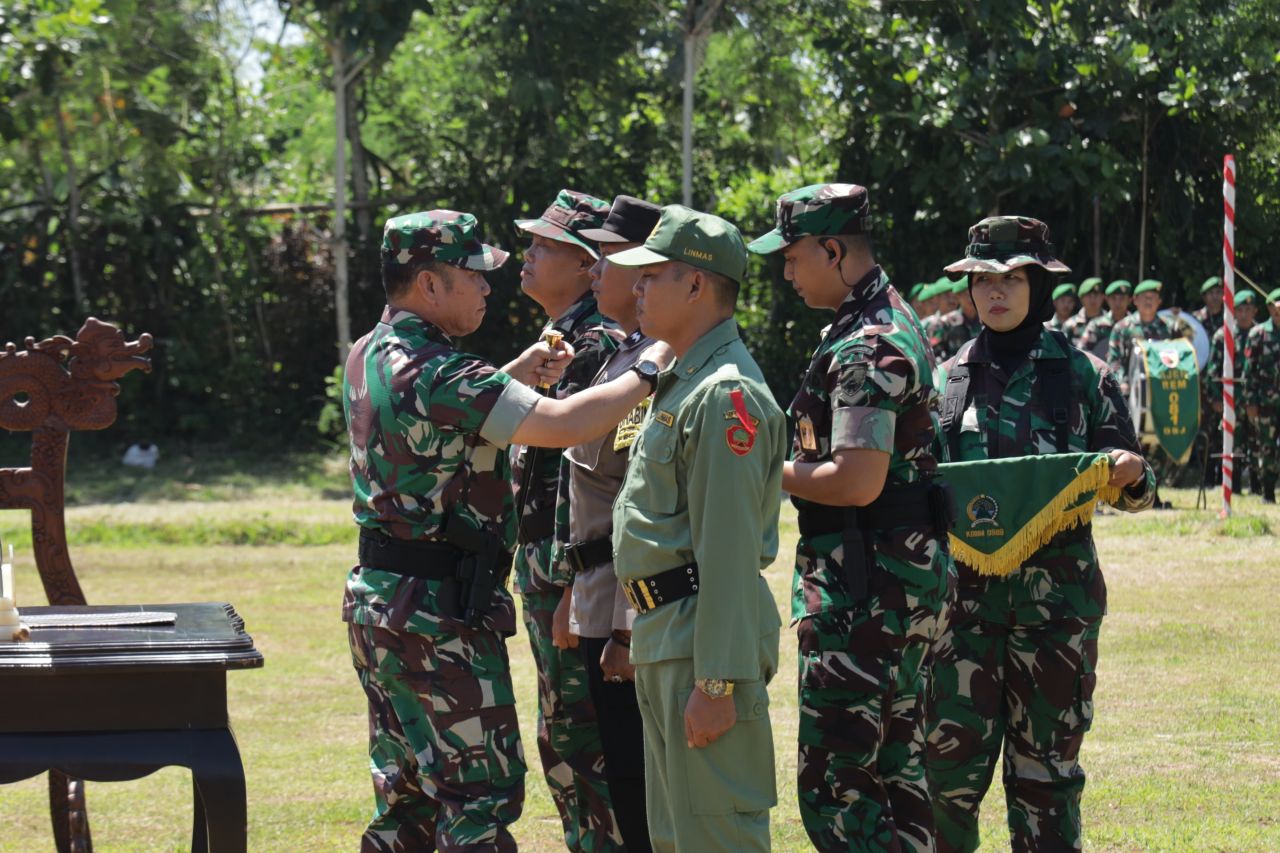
{"x": 446, "y": 236}
{"x": 1210, "y": 283}
{"x": 1120, "y": 285}
{"x": 568, "y": 216}
{"x": 1064, "y": 290}
{"x": 1147, "y": 285}
{"x": 1003, "y": 243}
{"x": 1089, "y": 285}
{"x": 816, "y": 210}
{"x": 1274, "y": 296}
{"x": 692, "y": 237}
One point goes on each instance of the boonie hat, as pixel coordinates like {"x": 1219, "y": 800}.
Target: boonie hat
{"x": 1089, "y": 285}
{"x": 446, "y": 236}
{"x": 1147, "y": 285}
{"x": 1120, "y": 285}
{"x": 818, "y": 210}
{"x": 630, "y": 220}
{"x": 1003, "y": 243}
{"x": 568, "y": 216}
{"x": 1064, "y": 290}
{"x": 1210, "y": 283}
{"x": 692, "y": 237}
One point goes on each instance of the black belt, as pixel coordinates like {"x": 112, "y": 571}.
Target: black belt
{"x": 536, "y": 526}
{"x": 898, "y": 506}
{"x": 585, "y": 556}
{"x": 417, "y": 558}
{"x": 650, "y": 593}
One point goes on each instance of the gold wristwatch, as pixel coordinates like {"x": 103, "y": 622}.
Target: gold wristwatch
{"x": 714, "y": 688}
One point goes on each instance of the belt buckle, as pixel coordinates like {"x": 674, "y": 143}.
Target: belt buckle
{"x": 631, "y": 597}
{"x": 574, "y": 555}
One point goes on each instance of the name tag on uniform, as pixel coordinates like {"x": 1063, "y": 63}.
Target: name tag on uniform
{"x": 665, "y": 418}
{"x": 808, "y": 441}
{"x": 629, "y": 428}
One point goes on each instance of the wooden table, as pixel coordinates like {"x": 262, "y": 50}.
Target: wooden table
{"x": 116, "y": 703}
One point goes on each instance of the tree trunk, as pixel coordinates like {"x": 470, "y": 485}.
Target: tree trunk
{"x": 339, "y": 227}
{"x": 359, "y": 186}
{"x": 73, "y": 207}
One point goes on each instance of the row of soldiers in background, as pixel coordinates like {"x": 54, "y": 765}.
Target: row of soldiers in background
{"x": 1108, "y": 320}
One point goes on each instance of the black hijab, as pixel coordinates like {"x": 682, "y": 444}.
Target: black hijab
{"x": 1009, "y": 349}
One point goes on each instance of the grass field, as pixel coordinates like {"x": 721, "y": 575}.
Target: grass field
{"x": 1184, "y": 753}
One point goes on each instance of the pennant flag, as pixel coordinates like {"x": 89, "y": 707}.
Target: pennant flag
{"x": 1173, "y": 394}
{"x": 1008, "y": 509}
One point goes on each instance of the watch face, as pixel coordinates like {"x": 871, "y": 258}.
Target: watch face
{"x": 647, "y": 368}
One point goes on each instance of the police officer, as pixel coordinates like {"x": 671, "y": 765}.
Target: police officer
{"x": 693, "y": 527}
{"x": 426, "y": 606}
{"x": 556, "y": 275}
{"x": 872, "y": 571}
{"x": 1097, "y": 334}
{"x": 1092, "y": 301}
{"x": 597, "y": 618}
{"x": 1015, "y": 667}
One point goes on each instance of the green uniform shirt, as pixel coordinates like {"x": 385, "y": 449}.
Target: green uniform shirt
{"x": 700, "y": 487}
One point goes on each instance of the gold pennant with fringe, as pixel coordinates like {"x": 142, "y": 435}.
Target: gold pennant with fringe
{"x": 1011, "y": 508}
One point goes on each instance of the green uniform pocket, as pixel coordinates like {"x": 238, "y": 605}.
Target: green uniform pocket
{"x": 654, "y": 486}
{"x": 736, "y": 773}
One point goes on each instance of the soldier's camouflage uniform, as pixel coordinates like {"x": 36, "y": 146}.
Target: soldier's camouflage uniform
{"x": 956, "y": 331}
{"x": 1017, "y": 662}
{"x": 568, "y": 734}
{"x": 1128, "y": 332}
{"x": 428, "y": 426}
{"x": 1262, "y": 389}
{"x": 1211, "y": 322}
{"x": 1246, "y": 439}
{"x": 1096, "y": 337}
{"x": 1075, "y": 326}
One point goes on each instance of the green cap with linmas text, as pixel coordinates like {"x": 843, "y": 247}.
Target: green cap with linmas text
{"x": 692, "y": 237}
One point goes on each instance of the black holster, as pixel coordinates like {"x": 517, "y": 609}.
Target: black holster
{"x": 482, "y": 569}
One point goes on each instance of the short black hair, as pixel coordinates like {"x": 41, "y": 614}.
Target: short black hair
{"x": 397, "y": 277}
{"x": 724, "y": 288}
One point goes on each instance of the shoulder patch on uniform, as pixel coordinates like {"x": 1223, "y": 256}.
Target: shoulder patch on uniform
{"x": 849, "y": 390}
{"x": 741, "y": 437}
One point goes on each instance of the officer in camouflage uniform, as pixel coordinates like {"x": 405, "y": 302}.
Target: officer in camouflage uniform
{"x": 427, "y": 607}
{"x": 1064, "y": 306}
{"x": 1210, "y": 314}
{"x": 872, "y": 571}
{"x": 1245, "y": 436}
{"x": 1262, "y": 392}
{"x": 556, "y": 275}
{"x": 1145, "y": 325}
{"x": 960, "y": 326}
{"x": 1097, "y": 334}
{"x": 694, "y": 525}
{"x": 1093, "y": 299}
{"x": 1016, "y": 664}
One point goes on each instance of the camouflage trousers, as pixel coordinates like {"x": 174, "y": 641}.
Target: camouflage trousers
{"x": 864, "y": 678}
{"x": 1264, "y": 451}
{"x": 444, "y": 745}
{"x": 568, "y": 735}
{"x": 1022, "y": 689}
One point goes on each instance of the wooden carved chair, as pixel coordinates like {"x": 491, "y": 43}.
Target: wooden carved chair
{"x": 50, "y": 388}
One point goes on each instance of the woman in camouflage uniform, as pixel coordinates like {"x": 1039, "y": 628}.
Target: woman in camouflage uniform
{"x": 1015, "y": 667}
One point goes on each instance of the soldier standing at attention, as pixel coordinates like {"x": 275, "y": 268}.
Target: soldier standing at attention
{"x": 1093, "y": 299}
{"x": 427, "y": 607}
{"x": 597, "y": 618}
{"x": 1015, "y": 667}
{"x": 1064, "y": 306}
{"x": 1210, "y": 314}
{"x": 695, "y": 524}
{"x": 961, "y": 325}
{"x": 1246, "y": 439}
{"x": 1262, "y": 390}
{"x": 1097, "y": 335}
{"x": 556, "y": 275}
{"x": 1145, "y": 325}
{"x": 872, "y": 571}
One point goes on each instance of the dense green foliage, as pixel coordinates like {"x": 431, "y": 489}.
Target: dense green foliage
{"x": 139, "y": 157}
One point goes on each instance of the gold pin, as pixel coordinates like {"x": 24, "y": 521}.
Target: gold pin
{"x": 553, "y": 337}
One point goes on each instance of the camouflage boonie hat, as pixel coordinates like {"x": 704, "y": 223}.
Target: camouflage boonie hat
{"x": 1003, "y": 243}
{"x": 817, "y": 210}
{"x": 1064, "y": 290}
{"x": 1120, "y": 285}
{"x": 567, "y": 217}
{"x": 446, "y": 236}
{"x": 1210, "y": 283}
{"x": 1147, "y": 285}
{"x": 1089, "y": 285}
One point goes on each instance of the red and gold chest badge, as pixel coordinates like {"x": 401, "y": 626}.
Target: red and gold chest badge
{"x": 741, "y": 436}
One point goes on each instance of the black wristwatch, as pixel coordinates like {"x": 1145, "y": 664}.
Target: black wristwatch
{"x": 648, "y": 371}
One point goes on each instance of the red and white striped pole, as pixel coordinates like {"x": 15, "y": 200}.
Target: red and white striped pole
{"x": 1229, "y": 326}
